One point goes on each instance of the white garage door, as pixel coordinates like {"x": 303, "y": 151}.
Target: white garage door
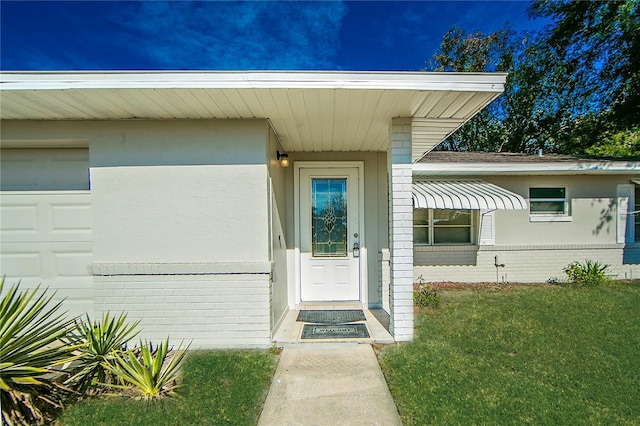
{"x": 45, "y": 218}
{"x": 44, "y": 169}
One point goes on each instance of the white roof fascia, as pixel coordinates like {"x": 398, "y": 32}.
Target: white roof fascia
{"x": 479, "y": 82}
{"x": 461, "y": 169}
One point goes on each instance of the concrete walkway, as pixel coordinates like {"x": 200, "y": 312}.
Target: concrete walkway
{"x": 329, "y": 384}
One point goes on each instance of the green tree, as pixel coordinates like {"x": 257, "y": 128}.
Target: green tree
{"x": 529, "y": 115}
{"x": 599, "y": 45}
{"x": 619, "y": 144}
{"x": 572, "y": 88}
{"x": 589, "y": 61}
{"x": 477, "y": 52}
{"x": 465, "y": 52}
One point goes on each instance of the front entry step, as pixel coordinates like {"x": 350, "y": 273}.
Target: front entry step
{"x": 333, "y": 324}
{"x": 332, "y": 329}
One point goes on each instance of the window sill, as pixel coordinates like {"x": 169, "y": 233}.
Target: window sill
{"x": 442, "y": 244}
{"x": 445, "y": 247}
{"x": 550, "y": 218}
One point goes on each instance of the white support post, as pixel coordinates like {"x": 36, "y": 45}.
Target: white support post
{"x": 401, "y": 230}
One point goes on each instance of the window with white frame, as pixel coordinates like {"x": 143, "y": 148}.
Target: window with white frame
{"x": 548, "y": 201}
{"x": 442, "y": 226}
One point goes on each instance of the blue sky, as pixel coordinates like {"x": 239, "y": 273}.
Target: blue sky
{"x": 256, "y": 35}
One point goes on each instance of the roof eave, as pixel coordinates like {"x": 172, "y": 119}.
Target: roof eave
{"x": 55, "y": 80}
{"x": 309, "y": 111}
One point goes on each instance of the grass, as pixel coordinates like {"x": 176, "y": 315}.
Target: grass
{"x": 522, "y": 355}
{"x": 219, "y": 388}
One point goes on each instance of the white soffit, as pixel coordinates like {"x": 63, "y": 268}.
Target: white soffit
{"x": 464, "y": 194}
{"x": 427, "y": 133}
{"x": 310, "y": 111}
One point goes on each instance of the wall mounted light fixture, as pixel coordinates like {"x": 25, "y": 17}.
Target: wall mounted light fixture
{"x": 283, "y": 159}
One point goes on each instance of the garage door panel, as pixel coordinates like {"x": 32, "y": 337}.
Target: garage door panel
{"x": 60, "y": 267}
{"x": 71, "y": 217}
{"x": 70, "y": 289}
{"x": 45, "y": 216}
{"x": 47, "y": 259}
{"x": 72, "y": 264}
{"x": 17, "y": 263}
{"x": 44, "y": 169}
{"x": 18, "y": 218}
{"x": 76, "y": 294}
{"x": 18, "y": 173}
{"x": 77, "y": 168}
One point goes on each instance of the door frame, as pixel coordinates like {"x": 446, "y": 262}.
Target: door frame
{"x": 362, "y": 260}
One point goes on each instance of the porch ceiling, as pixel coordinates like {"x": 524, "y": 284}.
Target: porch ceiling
{"x": 310, "y": 111}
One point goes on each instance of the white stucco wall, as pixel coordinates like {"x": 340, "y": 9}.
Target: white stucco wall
{"x": 535, "y": 251}
{"x": 591, "y": 208}
{"x": 215, "y": 213}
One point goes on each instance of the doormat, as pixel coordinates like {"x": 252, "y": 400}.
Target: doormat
{"x": 331, "y": 317}
{"x": 341, "y": 331}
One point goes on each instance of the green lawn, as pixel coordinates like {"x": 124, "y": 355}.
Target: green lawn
{"x": 220, "y": 388}
{"x": 522, "y": 355}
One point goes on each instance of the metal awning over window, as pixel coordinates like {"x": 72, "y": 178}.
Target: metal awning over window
{"x": 464, "y": 194}
{"x": 636, "y": 181}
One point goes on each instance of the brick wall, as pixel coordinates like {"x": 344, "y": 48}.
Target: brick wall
{"x": 401, "y": 231}
{"x": 212, "y": 311}
{"x": 522, "y": 263}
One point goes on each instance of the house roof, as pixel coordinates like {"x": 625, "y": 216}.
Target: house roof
{"x": 447, "y": 163}
{"x": 494, "y": 157}
{"x": 310, "y": 111}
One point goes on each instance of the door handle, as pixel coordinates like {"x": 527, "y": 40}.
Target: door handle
{"x": 356, "y": 249}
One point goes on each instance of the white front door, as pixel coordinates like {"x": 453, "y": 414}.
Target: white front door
{"x": 329, "y": 230}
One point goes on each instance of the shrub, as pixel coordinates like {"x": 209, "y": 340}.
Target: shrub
{"x": 31, "y": 353}
{"x": 148, "y": 369}
{"x": 98, "y": 341}
{"x": 426, "y": 297}
{"x": 587, "y": 274}
{"x": 47, "y": 359}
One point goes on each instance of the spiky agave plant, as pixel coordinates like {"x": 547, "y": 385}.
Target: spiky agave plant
{"x": 147, "y": 370}
{"x": 98, "y": 341}
{"x": 31, "y": 352}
